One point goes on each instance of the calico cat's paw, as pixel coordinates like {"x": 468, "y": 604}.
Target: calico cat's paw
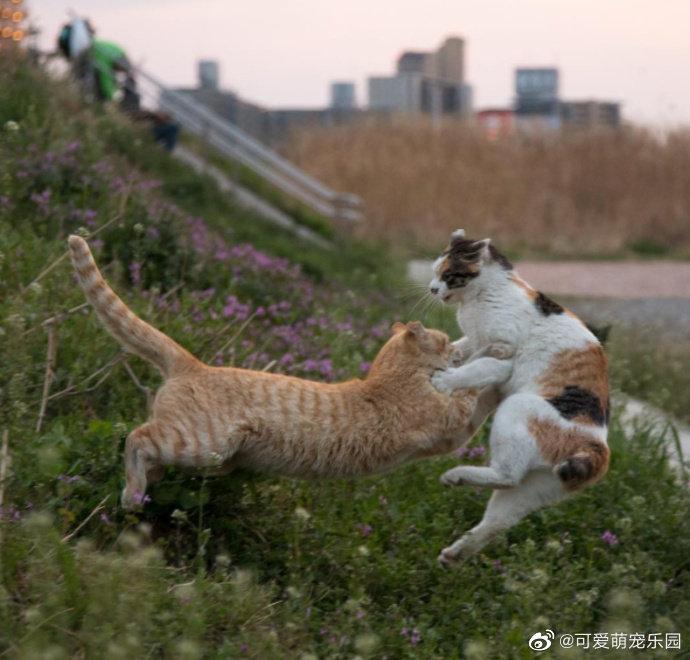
{"x": 446, "y": 558}
{"x": 443, "y": 381}
{"x": 500, "y": 350}
{"x": 452, "y": 477}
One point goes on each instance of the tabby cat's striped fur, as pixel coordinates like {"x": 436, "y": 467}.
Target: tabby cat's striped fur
{"x": 215, "y": 417}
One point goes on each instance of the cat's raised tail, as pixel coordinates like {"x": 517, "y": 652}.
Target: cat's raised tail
{"x": 131, "y": 332}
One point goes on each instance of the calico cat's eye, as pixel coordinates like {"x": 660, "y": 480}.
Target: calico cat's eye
{"x": 454, "y": 279}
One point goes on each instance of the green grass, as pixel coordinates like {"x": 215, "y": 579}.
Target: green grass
{"x": 246, "y": 565}
{"x": 652, "y": 370}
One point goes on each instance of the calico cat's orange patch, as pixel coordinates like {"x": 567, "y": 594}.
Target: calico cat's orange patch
{"x": 585, "y": 368}
{"x": 516, "y": 279}
{"x": 557, "y": 444}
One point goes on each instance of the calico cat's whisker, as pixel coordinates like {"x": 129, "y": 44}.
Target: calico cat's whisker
{"x": 419, "y": 302}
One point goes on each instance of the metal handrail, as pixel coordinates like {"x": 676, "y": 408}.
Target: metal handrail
{"x": 238, "y": 145}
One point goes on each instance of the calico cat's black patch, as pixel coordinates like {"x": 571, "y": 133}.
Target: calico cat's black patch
{"x": 499, "y": 258}
{"x": 462, "y": 258}
{"x": 547, "y": 306}
{"x": 574, "y": 401}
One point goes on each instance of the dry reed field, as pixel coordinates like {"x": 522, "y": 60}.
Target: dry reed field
{"x": 574, "y": 193}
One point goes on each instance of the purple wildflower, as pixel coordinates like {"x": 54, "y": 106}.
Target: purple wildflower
{"x": 140, "y": 498}
{"x": 42, "y": 200}
{"x": 286, "y": 359}
{"x": 364, "y": 367}
{"x": 475, "y": 452}
{"x": 609, "y": 538}
{"x": 234, "y": 308}
{"x": 364, "y": 529}
{"x": 135, "y": 272}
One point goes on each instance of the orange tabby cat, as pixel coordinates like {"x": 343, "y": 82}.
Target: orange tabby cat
{"x": 216, "y": 417}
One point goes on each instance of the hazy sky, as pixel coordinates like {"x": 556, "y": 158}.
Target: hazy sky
{"x": 283, "y": 53}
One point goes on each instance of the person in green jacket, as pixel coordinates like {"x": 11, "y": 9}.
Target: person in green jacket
{"x": 107, "y": 59}
{"x": 96, "y": 65}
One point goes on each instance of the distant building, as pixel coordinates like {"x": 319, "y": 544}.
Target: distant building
{"x": 588, "y": 114}
{"x": 412, "y": 62}
{"x": 447, "y": 64}
{"x": 267, "y": 125}
{"x": 400, "y": 93}
{"x": 536, "y": 96}
{"x": 425, "y": 82}
{"x": 496, "y": 122}
{"x": 209, "y": 74}
{"x": 343, "y": 96}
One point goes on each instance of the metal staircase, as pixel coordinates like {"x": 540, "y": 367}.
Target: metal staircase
{"x": 231, "y": 141}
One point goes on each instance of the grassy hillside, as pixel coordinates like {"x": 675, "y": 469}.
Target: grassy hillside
{"x": 249, "y": 566}
{"x": 595, "y": 193}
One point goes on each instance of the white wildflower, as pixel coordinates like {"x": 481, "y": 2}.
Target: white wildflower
{"x": 11, "y": 126}
{"x": 366, "y": 644}
{"x": 302, "y": 513}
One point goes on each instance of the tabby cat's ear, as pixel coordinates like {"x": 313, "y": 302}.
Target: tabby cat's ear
{"x": 458, "y": 233}
{"x": 416, "y": 328}
{"x": 398, "y": 327}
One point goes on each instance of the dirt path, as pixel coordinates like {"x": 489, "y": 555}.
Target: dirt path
{"x": 621, "y": 280}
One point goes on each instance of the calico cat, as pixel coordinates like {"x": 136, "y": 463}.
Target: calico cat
{"x": 548, "y": 437}
{"x": 225, "y": 418}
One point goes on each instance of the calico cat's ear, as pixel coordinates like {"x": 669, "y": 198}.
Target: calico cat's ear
{"x": 458, "y": 233}
{"x": 484, "y": 251}
{"x": 398, "y": 327}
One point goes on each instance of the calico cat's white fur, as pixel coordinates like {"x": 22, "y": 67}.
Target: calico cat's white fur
{"x": 548, "y": 436}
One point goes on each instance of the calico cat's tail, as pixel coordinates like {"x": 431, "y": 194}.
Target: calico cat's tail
{"x": 134, "y": 335}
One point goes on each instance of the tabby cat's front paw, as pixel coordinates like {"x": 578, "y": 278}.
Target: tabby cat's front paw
{"x": 443, "y": 382}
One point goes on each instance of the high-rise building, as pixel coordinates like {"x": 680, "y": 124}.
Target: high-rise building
{"x": 401, "y": 93}
{"x": 412, "y": 62}
{"x": 587, "y": 114}
{"x": 343, "y": 96}
{"x": 209, "y": 74}
{"x": 536, "y": 96}
{"x": 430, "y": 82}
{"x": 447, "y": 64}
